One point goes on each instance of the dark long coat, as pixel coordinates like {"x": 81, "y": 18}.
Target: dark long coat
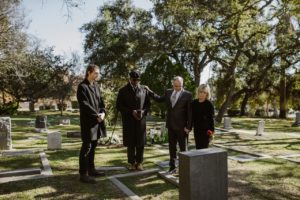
{"x": 90, "y": 105}
{"x": 134, "y": 131}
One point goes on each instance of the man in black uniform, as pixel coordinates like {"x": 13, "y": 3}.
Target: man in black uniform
{"x": 133, "y": 102}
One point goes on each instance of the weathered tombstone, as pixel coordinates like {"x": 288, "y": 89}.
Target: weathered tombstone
{"x": 275, "y": 113}
{"x": 203, "y": 174}
{"x": 5, "y": 133}
{"x": 73, "y": 134}
{"x": 227, "y": 123}
{"x": 260, "y": 128}
{"x": 65, "y": 121}
{"x": 163, "y": 129}
{"x": 41, "y": 122}
{"x": 297, "y": 119}
{"x": 151, "y": 135}
{"x": 54, "y": 140}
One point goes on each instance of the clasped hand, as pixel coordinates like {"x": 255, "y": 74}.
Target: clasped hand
{"x": 101, "y": 117}
{"x": 137, "y": 114}
{"x": 187, "y": 131}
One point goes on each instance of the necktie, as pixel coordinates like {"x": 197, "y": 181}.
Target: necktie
{"x": 173, "y": 98}
{"x": 134, "y": 89}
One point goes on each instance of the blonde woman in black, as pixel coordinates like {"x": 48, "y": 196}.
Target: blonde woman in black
{"x": 203, "y": 117}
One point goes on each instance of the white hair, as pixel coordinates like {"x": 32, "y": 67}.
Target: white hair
{"x": 205, "y": 88}
{"x": 178, "y": 78}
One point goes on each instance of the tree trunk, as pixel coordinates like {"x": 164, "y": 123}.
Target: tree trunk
{"x": 162, "y": 114}
{"x": 282, "y": 103}
{"x": 227, "y": 102}
{"x": 197, "y": 70}
{"x": 61, "y": 107}
{"x": 244, "y": 104}
{"x": 31, "y": 106}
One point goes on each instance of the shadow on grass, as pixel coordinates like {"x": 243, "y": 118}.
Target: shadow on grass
{"x": 20, "y": 162}
{"x": 270, "y": 179}
{"x": 151, "y": 186}
{"x": 60, "y": 187}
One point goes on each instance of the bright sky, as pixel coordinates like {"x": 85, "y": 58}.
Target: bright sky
{"x": 49, "y": 23}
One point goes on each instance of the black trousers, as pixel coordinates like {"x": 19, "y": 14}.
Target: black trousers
{"x": 201, "y": 139}
{"x": 176, "y": 136}
{"x": 87, "y": 156}
{"x": 135, "y": 154}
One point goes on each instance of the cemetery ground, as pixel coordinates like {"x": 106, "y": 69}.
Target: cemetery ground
{"x": 276, "y": 176}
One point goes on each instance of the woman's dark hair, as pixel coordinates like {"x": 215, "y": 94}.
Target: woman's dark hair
{"x": 91, "y": 68}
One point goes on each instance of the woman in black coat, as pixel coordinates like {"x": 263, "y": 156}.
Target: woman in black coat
{"x": 203, "y": 117}
{"x": 133, "y": 102}
{"x": 92, "y": 113}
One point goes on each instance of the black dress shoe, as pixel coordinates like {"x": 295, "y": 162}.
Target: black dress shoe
{"x": 96, "y": 173}
{"x": 87, "y": 179}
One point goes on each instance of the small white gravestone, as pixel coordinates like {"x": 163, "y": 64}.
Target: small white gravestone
{"x": 260, "y": 128}
{"x": 297, "y": 119}
{"x": 54, "y": 140}
{"x": 5, "y": 133}
{"x": 65, "y": 121}
{"x": 227, "y": 123}
{"x": 163, "y": 129}
{"x": 152, "y": 133}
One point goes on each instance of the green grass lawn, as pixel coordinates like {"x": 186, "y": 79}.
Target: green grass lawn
{"x": 23, "y": 161}
{"x": 262, "y": 179}
{"x": 278, "y": 125}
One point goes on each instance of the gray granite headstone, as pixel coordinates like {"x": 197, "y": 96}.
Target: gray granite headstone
{"x": 5, "y": 133}
{"x": 203, "y": 174}
{"x": 227, "y": 123}
{"x": 41, "y": 122}
{"x": 297, "y": 119}
{"x": 54, "y": 140}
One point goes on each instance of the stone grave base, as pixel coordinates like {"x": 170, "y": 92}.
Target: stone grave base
{"x": 224, "y": 132}
{"x": 245, "y": 157}
{"x": 20, "y": 172}
{"x": 26, "y": 174}
{"x": 74, "y": 134}
{"x": 124, "y": 188}
{"x": 169, "y": 177}
{"x": 290, "y": 157}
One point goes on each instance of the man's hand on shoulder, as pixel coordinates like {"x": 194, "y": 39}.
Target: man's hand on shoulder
{"x": 147, "y": 88}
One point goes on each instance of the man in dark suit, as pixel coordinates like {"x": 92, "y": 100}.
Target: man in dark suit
{"x": 92, "y": 114}
{"x": 179, "y": 117}
{"x": 133, "y": 102}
